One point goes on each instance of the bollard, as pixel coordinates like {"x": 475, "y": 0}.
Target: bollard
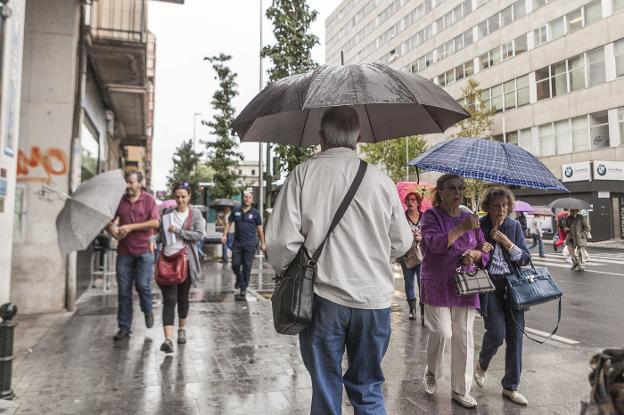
{"x": 7, "y": 312}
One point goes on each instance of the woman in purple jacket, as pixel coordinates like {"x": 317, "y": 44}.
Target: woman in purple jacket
{"x": 451, "y": 237}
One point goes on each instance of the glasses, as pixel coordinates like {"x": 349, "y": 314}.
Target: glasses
{"x": 411, "y": 199}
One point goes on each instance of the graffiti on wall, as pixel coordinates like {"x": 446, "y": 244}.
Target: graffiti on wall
{"x": 41, "y": 165}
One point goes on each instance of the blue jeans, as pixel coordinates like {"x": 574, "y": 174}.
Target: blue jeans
{"x": 537, "y": 241}
{"x": 408, "y": 275}
{"x": 242, "y": 256}
{"x": 500, "y": 327}
{"x": 365, "y": 334}
{"x": 137, "y": 270}
{"x": 228, "y": 245}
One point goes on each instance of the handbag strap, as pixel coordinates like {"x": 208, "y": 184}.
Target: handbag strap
{"x": 552, "y": 333}
{"x": 342, "y": 209}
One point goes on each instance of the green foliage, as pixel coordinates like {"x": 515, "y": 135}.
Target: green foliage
{"x": 223, "y": 154}
{"x": 391, "y": 154}
{"x": 290, "y": 55}
{"x": 185, "y": 166}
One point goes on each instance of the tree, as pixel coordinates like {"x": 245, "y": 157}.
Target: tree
{"x": 392, "y": 154}
{"x": 185, "y": 166}
{"x": 291, "y": 55}
{"x": 223, "y": 154}
{"x": 479, "y": 124}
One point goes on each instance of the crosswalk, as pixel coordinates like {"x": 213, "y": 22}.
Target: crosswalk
{"x": 558, "y": 260}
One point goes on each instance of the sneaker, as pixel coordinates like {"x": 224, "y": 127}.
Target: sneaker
{"x": 149, "y": 320}
{"x": 243, "y": 292}
{"x": 479, "y": 375}
{"x": 466, "y": 400}
{"x": 167, "y": 346}
{"x": 181, "y": 336}
{"x": 429, "y": 382}
{"x": 580, "y": 268}
{"x": 121, "y": 334}
{"x": 573, "y": 267}
{"x": 515, "y": 397}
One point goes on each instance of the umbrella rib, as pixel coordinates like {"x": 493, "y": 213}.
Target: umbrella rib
{"x": 305, "y": 122}
{"x": 370, "y": 122}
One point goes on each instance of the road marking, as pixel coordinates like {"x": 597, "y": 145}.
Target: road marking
{"x": 543, "y": 335}
{"x": 567, "y": 266}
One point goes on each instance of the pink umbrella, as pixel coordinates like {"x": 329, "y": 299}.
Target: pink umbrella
{"x": 521, "y": 206}
{"x": 166, "y": 204}
{"x": 422, "y": 188}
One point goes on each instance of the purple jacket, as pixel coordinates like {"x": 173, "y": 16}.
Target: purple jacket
{"x": 439, "y": 262}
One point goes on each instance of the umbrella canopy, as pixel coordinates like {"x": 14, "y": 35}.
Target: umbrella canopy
{"x": 389, "y": 104}
{"x": 521, "y": 206}
{"x": 221, "y": 203}
{"x": 542, "y": 211}
{"x": 422, "y": 188}
{"x": 489, "y": 160}
{"x": 569, "y": 203}
{"x": 89, "y": 210}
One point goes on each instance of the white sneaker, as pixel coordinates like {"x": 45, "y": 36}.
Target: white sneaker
{"x": 429, "y": 382}
{"x": 515, "y": 397}
{"x": 466, "y": 400}
{"x": 479, "y": 376}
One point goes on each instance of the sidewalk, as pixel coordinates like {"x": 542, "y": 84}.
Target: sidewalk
{"x": 234, "y": 363}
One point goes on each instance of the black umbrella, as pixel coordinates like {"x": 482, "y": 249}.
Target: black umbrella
{"x": 569, "y": 203}
{"x": 389, "y": 104}
{"x": 221, "y": 203}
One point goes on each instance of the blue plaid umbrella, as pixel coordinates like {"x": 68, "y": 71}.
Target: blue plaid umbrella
{"x": 489, "y": 160}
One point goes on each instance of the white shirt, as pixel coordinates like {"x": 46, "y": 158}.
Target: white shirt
{"x": 354, "y": 269}
{"x": 177, "y": 219}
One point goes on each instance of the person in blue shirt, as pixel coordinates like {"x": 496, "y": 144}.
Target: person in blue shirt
{"x": 247, "y": 231}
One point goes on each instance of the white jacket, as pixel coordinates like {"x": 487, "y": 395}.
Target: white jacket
{"x": 354, "y": 269}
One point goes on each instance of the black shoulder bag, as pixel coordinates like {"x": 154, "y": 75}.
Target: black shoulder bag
{"x": 294, "y": 291}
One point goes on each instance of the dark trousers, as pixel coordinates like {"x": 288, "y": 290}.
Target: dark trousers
{"x": 365, "y": 334}
{"x": 498, "y": 327}
{"x": 135, "y": 270}
{"x": 242, "y": 256}
{"x": 409, "y": 274}
{"x": 175, "y": 295}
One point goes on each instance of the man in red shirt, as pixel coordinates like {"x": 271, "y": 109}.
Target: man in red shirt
{"x": 136, "y": 218}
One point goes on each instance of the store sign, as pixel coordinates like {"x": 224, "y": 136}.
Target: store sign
{"x": 576, "y": 172}
{"x": 608, "y": 170}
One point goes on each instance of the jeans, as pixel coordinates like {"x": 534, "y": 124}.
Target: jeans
{"x": 228, "y": 245}
{"x": 498, "y": 327}
{"x": 242, "y": 256}
{"x": 138, "y": 270}
{"x": 200, "y": 248}
{"x": 537, "y": 240}
{"x": 365, "y": 334}
{"x": 408, "y": 275}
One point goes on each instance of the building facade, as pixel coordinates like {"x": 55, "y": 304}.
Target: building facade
{"x": 553, "y": 71}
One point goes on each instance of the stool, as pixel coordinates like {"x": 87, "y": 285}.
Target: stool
{"x": 103, "y": 264}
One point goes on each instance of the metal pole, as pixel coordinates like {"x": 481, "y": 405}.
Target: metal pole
{"x": 195, "y": 130}
{"x": 406, "y": 160}
{"x": 260, "y": 166}
{"x": 7, "y": 312}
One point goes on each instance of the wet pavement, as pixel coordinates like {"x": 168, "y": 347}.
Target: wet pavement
{"x": 235, "y": 363}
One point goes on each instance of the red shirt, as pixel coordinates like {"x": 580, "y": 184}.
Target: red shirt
{"x": 142, "y": 210}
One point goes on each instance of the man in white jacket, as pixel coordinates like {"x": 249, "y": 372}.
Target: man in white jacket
{"x": 355, "y": 282}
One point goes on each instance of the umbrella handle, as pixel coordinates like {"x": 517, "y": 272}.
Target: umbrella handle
{"x": 46, "y": 188}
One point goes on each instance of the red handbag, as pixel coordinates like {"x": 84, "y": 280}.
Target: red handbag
{"x": 173, "y": 270}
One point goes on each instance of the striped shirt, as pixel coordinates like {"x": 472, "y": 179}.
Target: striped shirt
{"x": 499, "y": 266}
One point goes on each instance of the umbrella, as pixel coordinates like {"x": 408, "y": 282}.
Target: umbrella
{"x": 389, "y": 104}
{"x": 521, "y": 206}
{"x": 221, "y": 203}
{"x": 89, "y": 210}
{"x": 422, "y": 188}
{"x": 490, "y": 160}
{"x": 542, "y": 211}
{"x": 569, "y": 203}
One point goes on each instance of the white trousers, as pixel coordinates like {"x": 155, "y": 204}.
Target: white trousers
{"x": 451, "y": 325}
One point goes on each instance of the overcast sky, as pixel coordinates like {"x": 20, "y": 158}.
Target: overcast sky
{"x": 185, "y": 34}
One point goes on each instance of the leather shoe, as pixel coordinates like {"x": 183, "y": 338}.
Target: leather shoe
{"x": 429, "y": 382}
{"x": 121, "y": 334}
{"x": 149, "y": 320}
{"x": 466, "y": 400}
{"x": 480, "y": 375}
{"x": 515, "y": 397}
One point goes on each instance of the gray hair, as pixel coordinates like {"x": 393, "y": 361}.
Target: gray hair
{"x": 340, "y": 127}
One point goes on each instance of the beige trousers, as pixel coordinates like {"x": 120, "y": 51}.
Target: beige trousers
{"x": 451, "y": 325}
{"x": 578, "y": 254}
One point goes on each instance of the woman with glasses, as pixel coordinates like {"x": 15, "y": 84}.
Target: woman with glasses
{"x": 180, "y": 228}
{"x": 451, "y": 238}
{"x": 410, "y": 264}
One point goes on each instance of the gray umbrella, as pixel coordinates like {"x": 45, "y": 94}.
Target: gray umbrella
{"x": 389, "y": 103}
{"x": 89, "y": 210}
{"x": 569, "y": 203}
{"x": 220, "y": 203}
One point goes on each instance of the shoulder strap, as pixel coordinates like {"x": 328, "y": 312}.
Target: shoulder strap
{"x": 342, "y": 208}
{"x": 189, "y": 220}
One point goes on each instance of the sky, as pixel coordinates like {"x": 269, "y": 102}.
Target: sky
{"x": 185, "y": 83}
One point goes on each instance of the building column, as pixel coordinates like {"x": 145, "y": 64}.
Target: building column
{"x": 610, "y": 70}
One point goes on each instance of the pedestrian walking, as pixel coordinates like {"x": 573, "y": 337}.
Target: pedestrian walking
{"x": 451, "y": 238}
{"x": 179, "y": 232}
{"x": 355, "y": 283}
{"x": 535, "y": 229}
{"x": 506, "y": 237}
{"x": 410, "y": 263}
{"x": 523, "y": 222}
{"x": 560, "y": 239}
{"x": 577, "y": 227}
{"x": 248, "y": 224}
{"x": 222, "y": 221}
{"x": 134, "y": 223}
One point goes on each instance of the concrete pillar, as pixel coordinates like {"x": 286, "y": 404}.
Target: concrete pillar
{"x": 607, "y": 8}
{"x": 610, "y": 72}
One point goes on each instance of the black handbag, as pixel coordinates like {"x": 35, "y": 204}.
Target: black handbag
{"x": 294, "y": 290}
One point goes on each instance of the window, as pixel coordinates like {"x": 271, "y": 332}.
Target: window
{"x": 485, "y": 99}
{"x": 459, "y": 42}
{"x": 519, "y": 9}
{"x": 562, "y": 137}
{"x": 599, "y": 129}
{"x": 469, "y": 68}
{"x": 576, "y": 66}
{"x": 512, "y": 138}
{"x": 618, "y": 5}
{"x": 506, "y": 16}
{"x": 498, "y": 137}
{"x": 520, "y": 44}
{"x": 468, "y": 38}
{"x": 496, "y": 98}
{"x": 546, "y": 140}
{"x": 493, "y": 23}
{"x": 495, "y": 56}
{"x": 574, "y": 21}
{"x": 484, "y": 61}
{"x": 525, "y": 139}
{"x": 620, "y": 117}
{"x": 542, "y": 79}
{"x": 442, "y": 80}
{"x": 579, "y": 134}
{"x": 450, "y": 76}
{"x": 538, "y": 3}
{"x": 509, "y": 89}
{"x": 459, "y": 72}
{"x": 482, "y": 29}
{"x": 507, "y": 50}
{"x": 441, "y": 52}
{"x": 522, "y": 86}
{"x": 596, "y": 63}
{"x": 540, "y": 35}
{"x": 593, "y": 12}
{"x": 558, "y": 80}
{"x": 556, "y": 28}
{"x": 467, "y": 7}
{"x": 618, "y": 48}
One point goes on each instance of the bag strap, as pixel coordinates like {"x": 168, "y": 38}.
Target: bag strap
{"x": 189, "y": 220}
{"x": 342, "y": 208}
{"x": 552, "y": 333}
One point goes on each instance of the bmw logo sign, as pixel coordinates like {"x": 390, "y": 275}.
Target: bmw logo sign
{"x": 568, "y": 171}
{"x": 601, "y": 169}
